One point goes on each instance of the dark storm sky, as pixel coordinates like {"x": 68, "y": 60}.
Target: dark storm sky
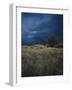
{"x": 40, "y": 27}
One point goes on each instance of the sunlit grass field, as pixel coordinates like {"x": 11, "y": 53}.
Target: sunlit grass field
{"x": 40, "y": 60}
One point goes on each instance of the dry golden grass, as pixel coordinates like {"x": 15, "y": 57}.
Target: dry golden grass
{"x": 40, "y": 60}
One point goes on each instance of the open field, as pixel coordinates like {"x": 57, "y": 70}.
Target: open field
{"x": 40, "y": 60}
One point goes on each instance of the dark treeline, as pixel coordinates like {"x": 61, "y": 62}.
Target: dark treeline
{"x": 50, "y": 42}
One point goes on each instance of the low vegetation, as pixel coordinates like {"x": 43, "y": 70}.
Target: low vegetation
{"x": 41, "y": 60}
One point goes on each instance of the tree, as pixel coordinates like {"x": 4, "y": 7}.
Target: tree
{"x": 52, "y": 42}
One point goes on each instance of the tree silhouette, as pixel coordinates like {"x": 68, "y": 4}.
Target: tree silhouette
{"x": 52, "y": 41}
